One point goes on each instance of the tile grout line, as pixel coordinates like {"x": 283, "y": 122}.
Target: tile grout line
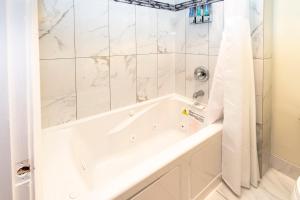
{"x": 136, "y": 55}
{"x": 157, "y": 50}
{"x": 185, "y": 65}
{"x": 262, "y": 96}
{"x": 109, "y": 55}
{"x": 75, "y": 59}
{"x": 263, "y": 87}
{"x": 167, "y": 53}
{"x": 185, "y": 61}
{"x": 208, "y": 52}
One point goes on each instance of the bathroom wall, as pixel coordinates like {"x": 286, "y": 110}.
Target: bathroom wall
{"x": 199, "y": 44}
{"x": 196, "y": 45}
{"x": 286, "y": 92}
{"x": 99, "y": 55}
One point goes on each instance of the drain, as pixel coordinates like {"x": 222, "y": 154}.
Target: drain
{"x": 132, "y": 138}
{"x": 73, "y": 195}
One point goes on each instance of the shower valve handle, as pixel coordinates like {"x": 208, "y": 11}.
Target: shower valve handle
{"x": 201, "y": 74}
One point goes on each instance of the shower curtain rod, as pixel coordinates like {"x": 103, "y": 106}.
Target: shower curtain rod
{"x": 167, "y": 6}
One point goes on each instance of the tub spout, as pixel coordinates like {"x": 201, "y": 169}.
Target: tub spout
{"x": 199, "y": 93}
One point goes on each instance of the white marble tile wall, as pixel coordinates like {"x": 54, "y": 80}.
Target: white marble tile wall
{"x": 147, "y": 67}
{"x": 166, "y": 75}
{"x": 197, "y": 45}
{"x": 56, "y": 29}
{"x": 166, "y": 31}
{"x": 92, "y": 36}
{"x": 256, "y": 23}
{"x": 58, "y": 94}
{"x": 262, "y": 69}
{"x": 180, "y": 73}
{"x": 268, "y": 28}
{"x": 180, "y": 49}
{"x": 216, "y": 28}
{"x": 192, "y": 85}
{"x": 122, "y": 28}
{"x": 212, "y": 64}
{"x": 92, "y": 51}
{"x": 180, "y": 38}
{"x": 92, "y": 80}
{"x": 196, "y": 38}
{"x": 146, "y": 27}
{"x": 123, "y": 80}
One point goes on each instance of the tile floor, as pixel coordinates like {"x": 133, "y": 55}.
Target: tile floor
{"x": 273, "y": 186}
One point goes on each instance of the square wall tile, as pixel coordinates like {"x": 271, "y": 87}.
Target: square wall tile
{"x": 259, "y": 139}
{"x": 267, "y": 136}
{"x": 192, "y": 85}
{"x": 212, "y": 65}
{"x": 216, "y": 27}
{"x": 258, "y": 75}
{"x": 166, "y": 31}
{"x": 92, "y": 80}
{"x": 91, "y": 28}
{"x": 268, "y": 28}
{"x": 267, "y": 76}
{"x": 266, "y": 147}
{"x": 123, "y": 81}
{"x": 259, "y": 109}
{"x": 180, "y": 74}
{"x": 196, "y": 37}
{"x": 266, "y": 162}
{"x": 146, "y": 77}
{"x": 58, "y": 93}
{"x": 166, "y": 74}
{"x": 56, "y": 29}
{"x": 180, "y": 31}
{"x": 122, "y": 28}
{"x": 146, "y": 30}
{"x": 257, "y": 29}
{"x": 267, "y": 108}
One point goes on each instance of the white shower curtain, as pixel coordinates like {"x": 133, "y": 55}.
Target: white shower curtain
{"x": 233, "y": 99}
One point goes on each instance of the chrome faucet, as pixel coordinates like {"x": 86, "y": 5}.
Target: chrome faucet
{"x": 199, "y": 93}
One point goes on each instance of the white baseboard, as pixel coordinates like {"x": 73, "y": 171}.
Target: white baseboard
{"x": 285, "y": 166}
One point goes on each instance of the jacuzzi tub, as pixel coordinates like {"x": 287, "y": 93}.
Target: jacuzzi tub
{"x": 147, "y": 151}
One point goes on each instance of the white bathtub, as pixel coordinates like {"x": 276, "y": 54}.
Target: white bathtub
{"x": 146, "y": 151}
